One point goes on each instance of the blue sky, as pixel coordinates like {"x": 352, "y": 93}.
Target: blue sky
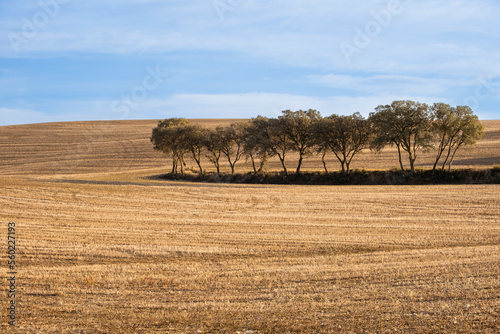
{"x": 69, "y": 60}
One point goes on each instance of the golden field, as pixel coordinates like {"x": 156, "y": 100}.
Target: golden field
{"x": 101, "y": 249}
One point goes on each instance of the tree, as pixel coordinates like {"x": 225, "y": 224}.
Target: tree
{"x": 232, "y": 141}
{"x": 454, "y": 127}
{"x": 406, "y": 124}
{"x": 254, "y": 145}
{"x": 297, "y": 125}
{"x": 265, "y": 137}
{"x": 214, "y": 145}
{"x": 322, "y": 132}
{"x": 178, "y": 138}
{"x": 165, "y": 138}
{"x": 196, "y": 138}
{"x": 276, "y": 140}
{"x": 345, "y": 136}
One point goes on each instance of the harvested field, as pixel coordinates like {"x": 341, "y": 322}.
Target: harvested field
{"x": 101, "y": 249}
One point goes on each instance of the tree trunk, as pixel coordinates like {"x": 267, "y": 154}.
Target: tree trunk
{"x": 253, "y": 163}
{"x": 197, "y": 158}
{"x": 447, "y": 157}
{"x": 436, "y": 162}
{"x": 400, "y": 159}
{"x": 340, "y": 160}
{"x": 324, "y": 162}
{"x": 214, "y": 159}
{"x": 412, "y": 165}
{"x": 440, "y": 153}
{"x": 231, "y": 163}
{"x": 452, "y": 157}
{"x": 199, "y": 166}
{"x": 174, "y": 165}
{"x": 262, "y": 163}
{"x": 300, "y": 164}
{"x": 441, "y": 148}
{"x": 283, "y": 164}
{"x": 345, "y": 163}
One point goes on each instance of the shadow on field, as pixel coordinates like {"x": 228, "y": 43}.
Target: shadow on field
{"x": 492, "y": 161}
{"x": 180, "y": 182}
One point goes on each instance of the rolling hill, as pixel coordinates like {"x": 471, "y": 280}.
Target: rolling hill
{"x": 100, "y": 249}
{"x": 119, "y": 146}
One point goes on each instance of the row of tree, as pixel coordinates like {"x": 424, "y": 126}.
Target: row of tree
{"x": 411, "y": 127}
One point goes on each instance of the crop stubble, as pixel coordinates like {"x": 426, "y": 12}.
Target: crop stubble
{"x": 157, "y": 257}
{"x": 131, "y": 255}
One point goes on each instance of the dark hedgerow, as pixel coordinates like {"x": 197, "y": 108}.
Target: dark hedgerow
{"x": 356, "y": 177}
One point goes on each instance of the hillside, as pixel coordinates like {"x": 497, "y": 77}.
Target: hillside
{"x": 118, "y": 146}
{"x": 108, "y": 251}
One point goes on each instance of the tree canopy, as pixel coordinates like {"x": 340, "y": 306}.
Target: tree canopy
{"x": 298, "y": 127}
{"x": 345, "y": 136}
{"x": 406, "y": 124}
{"x": 412, "y": 127}
{"x": 454, "y": 127}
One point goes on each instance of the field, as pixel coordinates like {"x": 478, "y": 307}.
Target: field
{"x": 101, "y": 249}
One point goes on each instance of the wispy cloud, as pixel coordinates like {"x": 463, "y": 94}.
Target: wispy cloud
{"x": 403, "y": 84}
{"x": 429, "y": 49}
{"x": 21, "y": 116}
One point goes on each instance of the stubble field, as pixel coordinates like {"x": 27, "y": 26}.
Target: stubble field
{"x": 103, "y": 250}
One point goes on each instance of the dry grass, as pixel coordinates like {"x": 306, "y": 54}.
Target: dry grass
{"x": 102, "y": 250}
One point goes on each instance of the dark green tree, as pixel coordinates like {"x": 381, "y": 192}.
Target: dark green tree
{"x": 196, "y": 138}
{"x": 166, "y": 138}
{"x": 276, "y": 140}
{"x": 254, "y": 146}
{"x": 345, "y": 136}
{"x": 454, "y": 127}
{"x": 214, "y": 143}
{"x": 298, "y": 126}
{"x": 405, "y": 124}
{"x": 232, "y": 143}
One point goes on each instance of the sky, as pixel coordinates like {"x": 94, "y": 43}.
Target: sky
{"x": 73, "y": 60}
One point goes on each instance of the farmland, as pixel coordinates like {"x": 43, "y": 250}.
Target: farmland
{"x": 102, "y": 249}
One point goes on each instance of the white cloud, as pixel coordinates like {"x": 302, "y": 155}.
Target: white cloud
{"x": 21, "y": 116}
{"x": 431, "y": 51}
{"x": 299, "y": 33}
{"x": 233, "y": 106}
{"x": 403, "y": 84}
{"x": 213, "y": 106}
